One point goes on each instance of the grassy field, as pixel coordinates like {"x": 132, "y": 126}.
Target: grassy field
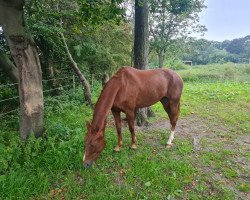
{"x": 209, "y": 160}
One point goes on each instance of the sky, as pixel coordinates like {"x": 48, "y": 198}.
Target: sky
{"x": 226, "y": 19}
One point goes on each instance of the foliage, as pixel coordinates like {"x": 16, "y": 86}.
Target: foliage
{"x": 105, "y": 49}
{"x": 176, "y": 64}
{"x": 203, "y": 51}
{"x": 94, "y": 24}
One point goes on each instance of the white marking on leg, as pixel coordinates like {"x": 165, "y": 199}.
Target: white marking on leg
{"x": 83, "y": 157}
{"x": 117, "y": 148}
{"x": 171, "y": 138}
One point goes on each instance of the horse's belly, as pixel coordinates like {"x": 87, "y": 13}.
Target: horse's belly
{"x": 143, "y": 104}
{"x": 148, "y": 99}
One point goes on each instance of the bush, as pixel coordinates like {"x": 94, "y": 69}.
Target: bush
{"x": 176, "y": 65}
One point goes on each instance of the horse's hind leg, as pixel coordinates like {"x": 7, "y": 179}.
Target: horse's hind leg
{"x": 131, "y": 123}
{"x": 117, "y": 117}
{"x": 172, "y": 107}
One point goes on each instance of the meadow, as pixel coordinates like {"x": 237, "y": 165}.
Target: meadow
{"x": 209, "y": 160}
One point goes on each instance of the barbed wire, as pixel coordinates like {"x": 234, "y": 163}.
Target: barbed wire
{"x": 15, "y": 97}
{"x": 8, "y": 85}
{"x": 67, "y": 77}
{"x": 9, "y": 99}
{"x": 6, "y": 113}
{"x": 57, "y": 88}
{"x": 11, "y": 84}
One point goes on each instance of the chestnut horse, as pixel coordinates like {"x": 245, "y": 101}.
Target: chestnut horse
{"x": 126, "y": 91}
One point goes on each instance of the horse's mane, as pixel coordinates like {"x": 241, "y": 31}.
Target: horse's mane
{"x": 106, "y": 99}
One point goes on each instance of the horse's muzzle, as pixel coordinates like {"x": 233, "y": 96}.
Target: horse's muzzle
{"x": 88, "y": 164}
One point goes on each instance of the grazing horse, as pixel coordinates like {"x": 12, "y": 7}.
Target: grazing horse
{"x": 126, "y": 91}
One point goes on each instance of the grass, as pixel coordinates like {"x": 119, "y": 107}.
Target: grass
{"x": 51, "y": 167}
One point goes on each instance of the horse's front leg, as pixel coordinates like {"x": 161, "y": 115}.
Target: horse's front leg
{"x": 117, "y": 117}
{"x": 131, "y": 123}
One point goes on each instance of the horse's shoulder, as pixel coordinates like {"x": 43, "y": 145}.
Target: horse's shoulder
{"x": 121, "y": 71}
{"x": 169, "y": 72}
{"x": 173, "y": 76}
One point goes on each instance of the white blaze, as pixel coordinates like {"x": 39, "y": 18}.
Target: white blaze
{"x": 171, "y": 137}
{"x": 83, "y": 157}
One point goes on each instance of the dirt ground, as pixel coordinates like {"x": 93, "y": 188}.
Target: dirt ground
{"x": 210, "y": 136}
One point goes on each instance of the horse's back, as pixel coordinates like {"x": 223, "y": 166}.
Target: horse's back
{"x": 142, "y": 88}
{"x": 152, "y": 77}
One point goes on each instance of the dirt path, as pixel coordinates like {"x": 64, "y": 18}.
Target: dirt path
{"x": 208, "y": 136}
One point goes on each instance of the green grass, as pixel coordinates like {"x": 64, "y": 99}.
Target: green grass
{"x": 217, "y": 72}
{"x": 51, "y": 167}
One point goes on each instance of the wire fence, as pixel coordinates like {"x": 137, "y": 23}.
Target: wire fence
{"x": 72, "y": 79}
{"x": 1, "y": 86}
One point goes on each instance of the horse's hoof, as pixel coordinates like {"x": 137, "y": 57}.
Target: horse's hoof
{"x": 133, "y": 146}
{"x": 117, "y": 149}
{"x": 169, "y": 146}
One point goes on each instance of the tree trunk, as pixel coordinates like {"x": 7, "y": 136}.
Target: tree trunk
{"x": 86, "y": 91}
{"x": 24, "y": 52}
{"x": 161, "y": 58}
{"x": 141, "y": 34}
{"x": 8, "y": 67}
{"x": 105, "y": 79}
{"x": 52, "y": 80}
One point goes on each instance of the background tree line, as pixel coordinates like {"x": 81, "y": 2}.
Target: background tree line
{"x": 205, "y": 52}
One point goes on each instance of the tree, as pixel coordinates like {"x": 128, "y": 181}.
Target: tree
{"x": 141, "y": 35}
{"x": 8, "y": 67}
{"x": 247, "y": 51}
{"x": 82, "y": 78}
{"x": 24, "y": 52}
{"x": 172, "y": 19}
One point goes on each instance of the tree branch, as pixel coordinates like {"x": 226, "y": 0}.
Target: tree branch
{"x": 8, "y": 67}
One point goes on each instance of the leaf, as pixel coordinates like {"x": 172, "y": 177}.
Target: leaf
{"x": 147, "y": 184}
{"x": 2, "y": 178}
{"x": 169, "y": 197}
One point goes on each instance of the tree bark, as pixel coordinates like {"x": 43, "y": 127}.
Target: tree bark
{"x": 8, "y": 67}
{"x": 24, "y": 52}
{"x": 141, "y": 43}
{"x": 161, "y": 58}
{"x": 141, "y": 46}
{"x": 86, "y": 91}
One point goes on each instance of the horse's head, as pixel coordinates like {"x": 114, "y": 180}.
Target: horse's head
{"x": 94, "y": 144}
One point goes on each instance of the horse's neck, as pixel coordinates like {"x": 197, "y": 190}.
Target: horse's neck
{"x": 104, "y": 104}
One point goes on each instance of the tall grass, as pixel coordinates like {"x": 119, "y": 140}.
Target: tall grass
{"x": 217, "y": 72}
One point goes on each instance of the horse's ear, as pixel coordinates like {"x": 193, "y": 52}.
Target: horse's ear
{"x": 88, "y": 124}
